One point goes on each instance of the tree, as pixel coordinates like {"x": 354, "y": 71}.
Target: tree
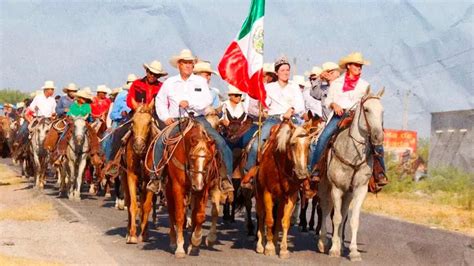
{"x": 12, "y": 96}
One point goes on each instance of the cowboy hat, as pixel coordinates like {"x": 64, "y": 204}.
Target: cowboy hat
{"x": 185, "y": 54}
{"x": 132, "y": 77}
{"x": 84, "y": 93}
{"x": 7, "y": 105}
{"x": 203, "y": 66}
{"x": 49, "y": 84}
{"x": 268, "y": 68}
{"x": 233, "y": 90}
{"x": 20, "y": 105}
{"x": 353, "y": 58}
{"x": 70, "y": 87}
{"x": 103, "y": 88}
{"x": 314, "y": 71}
{"x": 154, "y": 67}
{"x": 299, "y": 80}
{"x": 116, "y": 91}
{"x": 328, "y": 66}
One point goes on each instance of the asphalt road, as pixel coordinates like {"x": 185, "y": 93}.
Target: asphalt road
{"x": 382, "y": 241}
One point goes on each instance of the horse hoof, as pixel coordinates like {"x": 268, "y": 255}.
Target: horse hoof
{"x": 260, "y": 249}
{"x": 142, "y": 238}
{"x": 210, "y": 240}
{"x": 179, "y": 255}
{"x": 132, "y": 240}
{"x": 108, "y": 195}
{"x": 355, "y": 256}
{"x": 121, "y": 205}
{"x": 269, "y": 252}
{"x": 92, "y": 189}
{"x": 173, "y": 246}
{"x": 284, "y": 254}
{"x": 321, "y": 247}
{"x": 334, "y": 253}
{"x": 193, "y": 250}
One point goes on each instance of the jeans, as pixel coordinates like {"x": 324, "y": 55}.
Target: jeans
{"x": 23, "y": 132}
{"x": 107, "y": 142}
{"x": 244, "y": 140}
{"x": 264, "y": 134}
{"x": 316, "y": 150}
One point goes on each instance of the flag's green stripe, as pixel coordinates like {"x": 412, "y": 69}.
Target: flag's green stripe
{"x": 257, "y": 10}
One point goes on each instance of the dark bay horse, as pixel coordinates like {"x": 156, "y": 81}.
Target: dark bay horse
{"x": 282, "y": 172}
{"x": 136, "y": 177}
{"x": 191, "y": 169}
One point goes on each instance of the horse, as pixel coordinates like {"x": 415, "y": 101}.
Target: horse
{"x": 21, "y": 150}
{"x": 191, "y": 169}
{"x": 282, "y": 171}
{"x": 39, "y": 127}
{"x": 76, "y": 159}
{"x": 5, "y": 136}
{"x": 349, "y": 168}
{"x": 135, "y": 176}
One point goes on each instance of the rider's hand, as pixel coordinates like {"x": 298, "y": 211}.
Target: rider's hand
{"x": 184, "y": 104}
{"x": 289, "y": 113}
{"x": 225, "y": 122}
{"x": 169, "y": 121}
{"x": 337, "y": 109}
{"x": 124, "y": 114}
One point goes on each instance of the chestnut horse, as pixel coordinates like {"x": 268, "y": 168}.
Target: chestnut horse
{"x": 142, "y": 134}
{"x": 282, "y": 172}
{"x": 191, "y": 169}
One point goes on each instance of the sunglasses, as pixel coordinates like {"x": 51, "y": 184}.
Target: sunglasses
{"x": 236, "y": 95}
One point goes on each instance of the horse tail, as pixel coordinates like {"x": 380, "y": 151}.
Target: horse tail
{"x": 239, "y": 200}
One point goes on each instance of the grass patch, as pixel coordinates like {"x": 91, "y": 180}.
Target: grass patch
{"x": 29, "y": 212}
{"x": 11, "y": 260}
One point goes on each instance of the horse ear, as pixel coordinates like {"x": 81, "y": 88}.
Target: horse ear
{"x": 367, "y": 91}
{"x": 151, "y": 104}
{"x": 310, "y": 115}
{"x": 381, "y": 92}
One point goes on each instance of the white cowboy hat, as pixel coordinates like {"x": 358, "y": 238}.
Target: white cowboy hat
{"x": 185, "y": 54}
{"x": 353, "y": 58}
{"x": 84, "y": 93}
{"x": 103, "y": 88}
{"x": 203, "y": 66}
{"x": 20, "y": 105}
{"x": 299, "y": 80}
{"x": 314, "y": 71}
{"x": 116, "y": 91}
{"x": 132, "y": 77}
{"x": 70, "y": 87}
{"x": 233, "y": 90}
{"x": 328, "y": 66}
{"x": 154, "y": 67}
{"x": 49, "y": 84}
{"x": 269, "y": 68}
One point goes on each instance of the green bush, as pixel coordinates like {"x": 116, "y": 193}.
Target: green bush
{"x": 12, "y": 96}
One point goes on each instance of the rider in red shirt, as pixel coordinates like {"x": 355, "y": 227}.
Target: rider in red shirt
{"x": 100, "y": 104}
{"x": 144, "y": 90}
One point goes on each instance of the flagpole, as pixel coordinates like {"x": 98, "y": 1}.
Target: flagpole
{"x": 259, "y": 132}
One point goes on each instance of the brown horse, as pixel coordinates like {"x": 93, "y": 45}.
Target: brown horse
{"x": 282, "y": 172}
{"x": 135, "y": 150}
{"x": 191, "y": 168}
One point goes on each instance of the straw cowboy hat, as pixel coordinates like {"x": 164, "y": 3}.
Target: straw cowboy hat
{"x": 233, "y": 90}
{"x": 20, "y": 105}
{"x": 132, "y": 77}
{"x": 269, "y": 68}
{"x": 353, "y": 58}
{"x": 314, "y": 71}
{"x": 185, "y": 54}
{"x": 49, "y": 84}
{"x": 154, "y": 67}
{"x": 328, "y": 66}
{"x": 299, "y": 80}
{"x": 70, "y": 87}
{"x": 84, "y": 93}
{"x": 7, "y": 105}
{"x": 203, "y": 66}
{"x": 116, "y": 91}
{"x": 103, "y": 88}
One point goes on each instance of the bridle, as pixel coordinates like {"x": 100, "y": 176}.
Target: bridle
{"x": 369, "y": 128}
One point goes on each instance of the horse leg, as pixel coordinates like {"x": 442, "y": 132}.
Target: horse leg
{"x": 71, "y": 179}
{"x": 154, "y": 201}
{"x": 269, "y": 221}
{"x": 359, "y": 195}
{"x": 80, "y": 173}
{"x": 198, "y": 217}
{"x": 171, "y": 214}
{"x": 180, "y": 219}
{"x": 215, "y": 198}
{"x": 319, "y": 211}
{"x": 260, "y": 223}
{"x": 314, "y": 203}
{"x": 336, "y": 195}
{"x": 38, "y": 170}
{"x": 248, "y": 210}
{"x": 289, "y": 207}
{"x": 346, "y": 200}
{"x": 146, "y": 199}
{"x": 304, "y": 208}
{"x": 132, "y": 206}
{"x": 326, "y": 207}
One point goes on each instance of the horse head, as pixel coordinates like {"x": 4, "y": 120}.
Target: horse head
{"x": 369, "y": 116}
{"x": 80, "y": 131}
{"x": 141, "y": 125}
{"x": 201, "y": 153}
{"x": 295, "y": 140}
{"x": 5, "y": 127}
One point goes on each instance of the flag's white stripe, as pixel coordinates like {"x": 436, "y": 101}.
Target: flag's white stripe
{"x": 254, "y": 59}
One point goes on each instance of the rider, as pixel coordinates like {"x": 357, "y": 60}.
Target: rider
{"x": 269, "y": 75}
{"x": 203, "y": 69}
{"x": 188, "y": 92}
{"x": 320, "y": 85}
{"x": 66, "y": 100}
{"x": 100, "y": 104}
{"x": 343, "y": 94}
{"x": 310, "y": 103}
{"x": 284, "y": 101}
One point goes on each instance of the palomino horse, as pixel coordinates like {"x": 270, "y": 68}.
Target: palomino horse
{"x": 349, "y": 168}
{"x": 76, "y": 159}
{"x": 191, "y": 169}
{"x": 39, "y": 127}
{"x": 283, "y": 170}
{"x": 142, "y": 134}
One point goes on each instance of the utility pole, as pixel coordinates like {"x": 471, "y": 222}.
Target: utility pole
{"x": 406, "y": 96}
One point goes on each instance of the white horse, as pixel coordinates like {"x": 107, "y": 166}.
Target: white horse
{"x": 76, "y": 158}
{"x": 349, "y": 169}
{"x": 39, "y": 128}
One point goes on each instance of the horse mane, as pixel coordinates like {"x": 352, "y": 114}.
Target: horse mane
{"x": 283, "y": 135}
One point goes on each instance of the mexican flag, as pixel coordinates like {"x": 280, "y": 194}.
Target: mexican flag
{"x": 242, "y": 63}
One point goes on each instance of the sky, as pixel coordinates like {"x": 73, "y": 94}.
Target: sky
{"x": 420, "y": 48}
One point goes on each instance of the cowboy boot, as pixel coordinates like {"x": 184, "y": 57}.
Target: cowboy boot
{"x": 379, "y": 167}
{"x": 154, "y": 185}
{"x": 226, "y": 185}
